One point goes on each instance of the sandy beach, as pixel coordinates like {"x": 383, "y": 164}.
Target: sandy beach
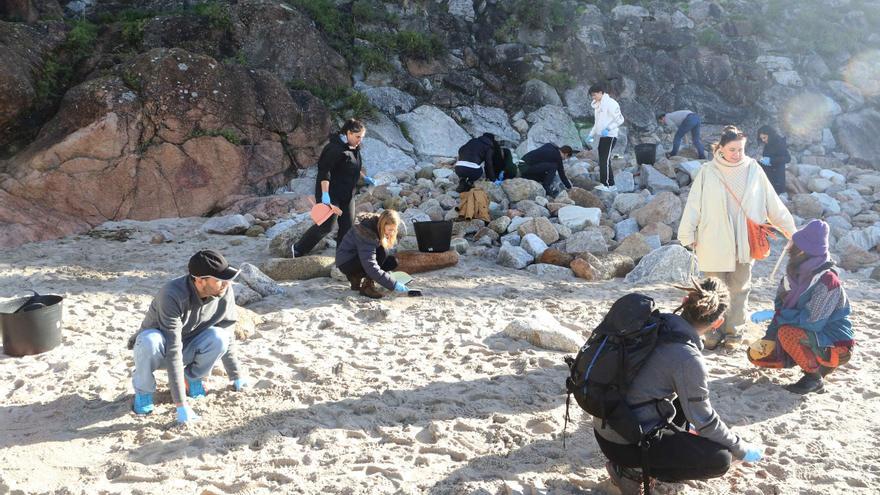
{"x": 400, "y": 395}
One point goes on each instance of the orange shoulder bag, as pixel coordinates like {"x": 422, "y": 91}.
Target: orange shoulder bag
{"x": 759, "y": 244}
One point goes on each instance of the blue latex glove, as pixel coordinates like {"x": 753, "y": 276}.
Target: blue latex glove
{"x": 765, "y": 160}
{"x": 399, "y": 287}
{"x": 195, "y": 389}
{"x": 762, "y": 316}
{"x": 590, "y": 139}
{"x": 369, "y": 180}
{"x": 239, "y": 383}
{"x": 605, "y": 132}
{"x": 754, "y": 453}
{"x": 325, "y": 198}
{"x": 500, "y": 179}
{"x": 143, "y": 404}
{"x": 186, "y": 414}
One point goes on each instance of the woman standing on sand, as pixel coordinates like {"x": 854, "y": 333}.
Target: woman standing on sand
{"x": 810, "y": 323}
{"x": 725, "y": 190}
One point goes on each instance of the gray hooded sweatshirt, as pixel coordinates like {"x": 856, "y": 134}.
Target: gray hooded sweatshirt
{"x": 673, "y": 370}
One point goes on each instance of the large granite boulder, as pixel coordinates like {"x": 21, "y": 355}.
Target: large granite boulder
{"x": 172, "y": 145}
{"x": 856, "y": 133}
{"x": 669, "y": 264}
{"x": 302, "y": 268}
{"x": 478, "y": 120}
{"x": 433, "y": 133}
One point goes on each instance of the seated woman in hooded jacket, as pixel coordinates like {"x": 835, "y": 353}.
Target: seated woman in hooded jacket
{"x": 672, "y": 386}
{"x": 809, "y": 325}
{"x": 363, "y": 254}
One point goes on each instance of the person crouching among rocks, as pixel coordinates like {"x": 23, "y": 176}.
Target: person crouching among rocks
{"x": 187, "y": 330}
{"x": 363, "y": 254}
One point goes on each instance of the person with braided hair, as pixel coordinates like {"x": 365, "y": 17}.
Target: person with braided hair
{"x": 809, "y": 325}
{"x": 672, "y": 387}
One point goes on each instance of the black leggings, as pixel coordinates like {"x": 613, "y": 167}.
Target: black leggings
{"x": 606, "y": 146}
{"x": 317, "y": 232}
{"x": 676, "y": 456}
{"x": 354, "y": 268}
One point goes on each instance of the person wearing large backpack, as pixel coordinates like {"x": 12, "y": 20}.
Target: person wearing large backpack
{"x": 643, "y": 379}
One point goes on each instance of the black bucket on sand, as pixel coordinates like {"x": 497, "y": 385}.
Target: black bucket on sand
{"x": 434, "y": 236}
{"x": 30, "y": 325}
{"x": 646, "y": 153}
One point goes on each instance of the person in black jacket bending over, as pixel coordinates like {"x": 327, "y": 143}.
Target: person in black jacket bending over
{"x": 775, "y": 157}
{"x": 542, "y": 165}
{"x": 363, "y": 254}
{"x": 476, "y": 155}
{"x": 339, "y": 169}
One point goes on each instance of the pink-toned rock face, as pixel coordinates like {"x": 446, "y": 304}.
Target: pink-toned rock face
{"x": 191, "y": 133}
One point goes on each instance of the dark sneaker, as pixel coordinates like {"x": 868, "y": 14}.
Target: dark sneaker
{"x": 809, "y": 383}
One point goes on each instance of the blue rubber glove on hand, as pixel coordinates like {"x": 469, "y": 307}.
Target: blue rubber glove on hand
{"x": 754, "y": 453}
{"x": 325, "y": 198}
{"x": 605, "y": 132}
{"x": 590, "y": 139}
{"x": 185, "y": 414}
{"x": 762, "y": 316}
{"x": 239, "y": 383}
{"x": 369, "y": 180}
{"x": 399, "y": 287}
{"x": 765, "y": 160}
{"x": 500, "y": 179}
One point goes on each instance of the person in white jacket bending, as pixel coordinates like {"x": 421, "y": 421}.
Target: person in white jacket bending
{"x": 608, "y": 119}
{"x": 725, "y": 190}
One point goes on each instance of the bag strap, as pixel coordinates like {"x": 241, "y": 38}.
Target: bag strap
{"x": 729, "y": 190}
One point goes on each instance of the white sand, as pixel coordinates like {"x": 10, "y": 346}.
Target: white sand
{"x": 402, "y": 395}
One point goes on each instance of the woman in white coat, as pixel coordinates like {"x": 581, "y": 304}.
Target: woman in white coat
{"x": 607, "y": 121}
{"x": 725, "y": 190}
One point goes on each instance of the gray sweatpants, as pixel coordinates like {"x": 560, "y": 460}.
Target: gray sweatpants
{"x": 739, "y": 283}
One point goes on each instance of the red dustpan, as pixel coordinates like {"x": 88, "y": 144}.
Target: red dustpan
{"x": 320, "y": 213}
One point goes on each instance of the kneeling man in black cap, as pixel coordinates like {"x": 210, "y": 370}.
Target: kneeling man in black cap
{"x": 188, "y": 328}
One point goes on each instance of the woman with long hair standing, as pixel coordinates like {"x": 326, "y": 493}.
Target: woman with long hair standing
{"x": 727, "y": 190}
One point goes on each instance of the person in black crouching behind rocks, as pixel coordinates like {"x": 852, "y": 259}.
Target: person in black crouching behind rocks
{"x": 363, "y": 254}
{"x": 475, "y": 156}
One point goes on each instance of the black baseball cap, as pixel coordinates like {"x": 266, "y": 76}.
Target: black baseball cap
{"x": 210, "y": 263}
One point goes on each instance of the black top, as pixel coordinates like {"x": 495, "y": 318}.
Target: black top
{"x": 341, "y": 165}
{"x": 480, "y": 150}
{"x": 777, "y": 150}
{"x": 548, "y": 153}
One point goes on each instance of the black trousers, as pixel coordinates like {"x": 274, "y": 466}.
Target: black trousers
{"x": 317, "y": 232}
{"x": 676, "y": 456}
{"x": 545, "y": 173}
{"x": 354, "y": 268}
{"x": 469, "y": 174}
{"x": 606, "y": 146}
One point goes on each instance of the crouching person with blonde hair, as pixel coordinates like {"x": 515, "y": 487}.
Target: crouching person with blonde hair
{"x": 363, "y": 254}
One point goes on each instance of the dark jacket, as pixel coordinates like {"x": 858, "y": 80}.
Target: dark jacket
{"x": 673, "y": 370}
{"x": 549, "y": 153}
{"x": 361, "y": 242}
{"x": 480, "y": 150}
{"x": 777, "y": 150}
{"x": 341, "y": 165}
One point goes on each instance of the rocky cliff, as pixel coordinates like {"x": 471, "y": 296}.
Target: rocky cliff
{"x": 122, "y": 109}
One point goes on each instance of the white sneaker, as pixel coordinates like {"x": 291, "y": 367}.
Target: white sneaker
{"x": 601, "y": 187}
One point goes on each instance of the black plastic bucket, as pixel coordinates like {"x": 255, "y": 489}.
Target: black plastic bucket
{"x": 30, "y": 325}
{"x": 434, "y": 236}
{"x": 646, "y": 153}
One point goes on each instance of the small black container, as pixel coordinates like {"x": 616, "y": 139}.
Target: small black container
{"x": 434, "y": 236}
{"x": 646, "y": 153}
{"x": 31, "y": 325}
